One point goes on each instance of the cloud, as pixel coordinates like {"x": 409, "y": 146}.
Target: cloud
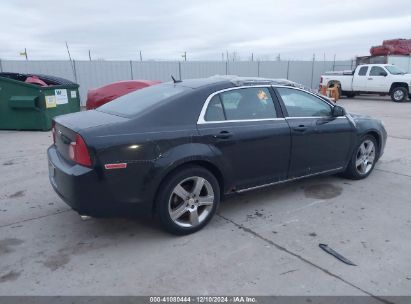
{"x": 165, "y": 29}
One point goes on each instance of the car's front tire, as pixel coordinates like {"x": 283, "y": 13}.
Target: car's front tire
{"x": 363, "y": 159}
{"x": 399, "y": 94}
{"x": 187, "y": 200}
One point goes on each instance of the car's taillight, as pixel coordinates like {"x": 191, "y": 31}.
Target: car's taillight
{"x": 53, "y": 131}
{"x": 78, "y": 152}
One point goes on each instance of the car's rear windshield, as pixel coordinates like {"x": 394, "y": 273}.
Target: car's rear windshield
{"x": 141, "y": 100}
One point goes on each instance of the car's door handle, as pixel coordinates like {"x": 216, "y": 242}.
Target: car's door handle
{"x": 300, "y": 128}
{"x": 223, "y": 135}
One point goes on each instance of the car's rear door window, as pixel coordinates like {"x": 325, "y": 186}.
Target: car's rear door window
{"x": 363, "y": 71}
{"x": 248, "y": 103}
{"x": 301, "y": 104}
{"x": 215, "y": 111}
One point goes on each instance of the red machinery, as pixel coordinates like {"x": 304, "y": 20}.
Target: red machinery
{"x": 392, "y": 47}
{"x": 104, "y": 94}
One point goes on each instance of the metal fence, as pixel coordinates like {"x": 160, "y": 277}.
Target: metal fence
{"x": 92, "y": 74}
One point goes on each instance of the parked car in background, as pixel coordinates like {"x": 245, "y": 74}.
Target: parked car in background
{"x": 174, "y": 150}
{"x": 98, "y": 97}
{"x": 371, "y": 78}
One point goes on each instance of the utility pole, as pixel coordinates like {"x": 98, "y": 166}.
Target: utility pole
{"x": 226, "y": 57}
{"x": 252, "y": 56}
{"x": 334, "y": 63}
{"x": 24, "y": 53}
{"x": 184, "y": 56}
{"x": 72, "y": 64}
{"x": 89, "y": 55}
{"x": 288, "y": 68}
{"x": 68, "y": 51}
{"x": 141, "y": 56}
{"x": 312, "y": 71}
{"x": 222, "y": 56}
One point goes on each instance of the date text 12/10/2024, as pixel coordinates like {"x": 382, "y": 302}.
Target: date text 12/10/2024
{"x": 203, "y": 299}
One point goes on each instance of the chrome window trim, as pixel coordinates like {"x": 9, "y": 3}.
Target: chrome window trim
{"x": 316, "y": 117}
{"x": 240, "y": 120}
{"x": 305, "y": 91}
{"x": 288, "y": 180}
{"x": 202, "y": 121}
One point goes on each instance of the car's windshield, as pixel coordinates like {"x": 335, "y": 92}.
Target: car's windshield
{"x": 394, "y": 70}
{"x": 141, "y": 100}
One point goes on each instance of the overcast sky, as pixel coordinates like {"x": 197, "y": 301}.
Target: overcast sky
{"x": 117, "y": 30}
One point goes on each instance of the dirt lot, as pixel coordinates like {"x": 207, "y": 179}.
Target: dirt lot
{"x": 260, "y": 243}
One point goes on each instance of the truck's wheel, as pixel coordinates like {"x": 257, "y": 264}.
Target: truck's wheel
{"x": 399, "y": 94}
{"x": 350, "y": 94}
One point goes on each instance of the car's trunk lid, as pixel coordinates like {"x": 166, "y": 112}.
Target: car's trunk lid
{"x": 66, "y": 127}
{"x": 88, "y": 119}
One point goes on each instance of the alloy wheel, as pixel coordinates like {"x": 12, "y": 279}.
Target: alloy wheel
{"x": 191, "y": 201}
{"x": 398, "y": 95}
{"x": 365, "y": 157}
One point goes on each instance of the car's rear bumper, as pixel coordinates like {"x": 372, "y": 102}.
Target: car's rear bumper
{"x": 86, "y": 191}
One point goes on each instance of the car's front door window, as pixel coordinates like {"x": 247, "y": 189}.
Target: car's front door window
{"x": 302, "y": 104}
{"x": 377, "y": 71}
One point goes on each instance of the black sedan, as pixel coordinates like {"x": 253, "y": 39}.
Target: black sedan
{"x": 174, "y": 150}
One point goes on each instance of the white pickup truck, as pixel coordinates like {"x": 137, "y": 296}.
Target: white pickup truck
{"x": 371, "y": 78}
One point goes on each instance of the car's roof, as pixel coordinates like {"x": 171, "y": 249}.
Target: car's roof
{"x": 376, "y": 64}
{"x": 234, "y": 81}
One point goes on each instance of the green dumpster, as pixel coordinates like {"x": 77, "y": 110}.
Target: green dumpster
{"x": 29, "y": 102}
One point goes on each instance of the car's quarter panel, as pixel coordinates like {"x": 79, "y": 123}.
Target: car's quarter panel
{"x": 189, "y": 153}
{"x": 147, "y": 151}
{"x": 138, "y": 153}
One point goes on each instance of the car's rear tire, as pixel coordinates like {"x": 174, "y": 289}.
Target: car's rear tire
{"x": 399, "y": 94}
{"x": 187, "y": 200}
{"x": 363, "y": 159}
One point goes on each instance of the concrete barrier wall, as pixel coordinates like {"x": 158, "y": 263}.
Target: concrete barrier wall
{"x": 92, "y": 74}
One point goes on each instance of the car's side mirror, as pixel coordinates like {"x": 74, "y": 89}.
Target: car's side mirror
{"x": 383, "y": 74}
{"x": 338, "y": 111}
